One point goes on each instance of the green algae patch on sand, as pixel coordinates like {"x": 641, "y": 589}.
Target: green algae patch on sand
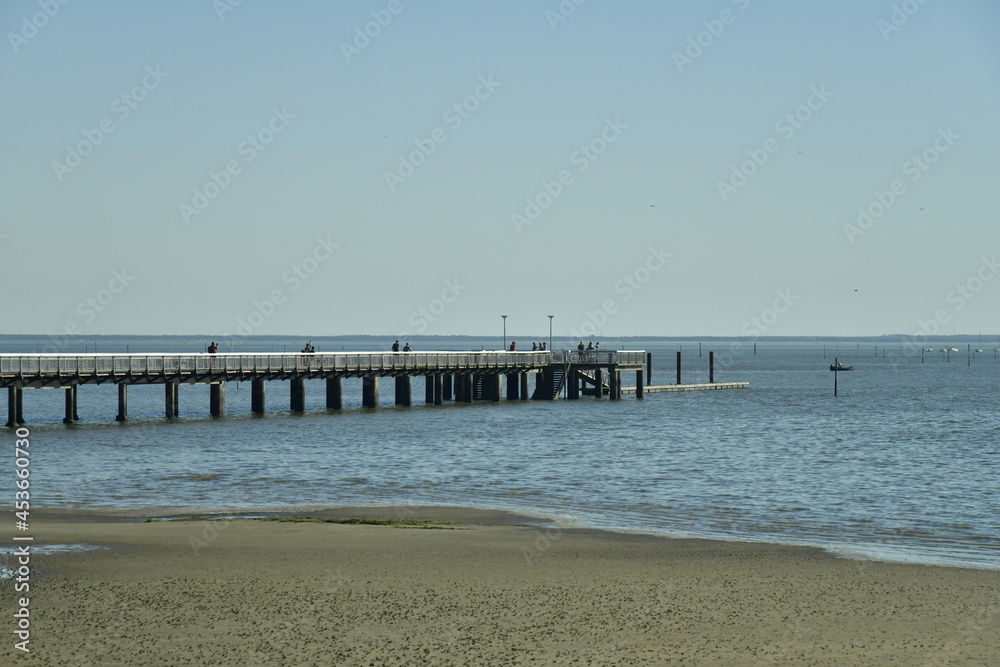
{"x": 397, "y": 523}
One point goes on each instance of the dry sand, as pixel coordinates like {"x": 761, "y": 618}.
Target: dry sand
{"x": 483, "y": 593}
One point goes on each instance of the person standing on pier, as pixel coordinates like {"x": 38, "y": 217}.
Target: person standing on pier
{"x": 395, "y": 346}
{"x": 213, "y": 347}
{"x": 407, "y": 348}
{"x": 513, "y": 346}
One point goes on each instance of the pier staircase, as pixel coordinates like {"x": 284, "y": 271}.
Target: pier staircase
{"x": 550, "y": 382}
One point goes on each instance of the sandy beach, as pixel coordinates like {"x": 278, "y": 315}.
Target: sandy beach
{"x": 479, "y": 590}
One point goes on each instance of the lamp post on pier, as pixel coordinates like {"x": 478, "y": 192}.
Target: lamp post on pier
{"x": 550, "y": 332}
{"x": 504, "y": 331}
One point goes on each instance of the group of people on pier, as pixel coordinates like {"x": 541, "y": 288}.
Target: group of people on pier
{"x": 535, "y": 347}
{"x": 406, "y": 348}
{"x": 591, "y": 347}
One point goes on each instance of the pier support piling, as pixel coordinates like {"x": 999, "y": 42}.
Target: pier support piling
{"x": 429, "y": 389}
{"x": 258, "y": 396}
{"x": 369, "y": 391}
{"x": 679, "y": 367}
{"x": 71, "y": 415}
{"x": 494, "y": 382}
{"x": 465, "y": 388}
{"x": 122, "y": 402}
{"x": 599, "y": 383}
{"x": 711, "y": 366}
{"x": 638, "y": 385}
{"x": 15, "y": 411}
{"x": 573, "y": 388}
{"x": 649, "y": 368}
{"x": 334, "y": 393}
{"x": 614, "y": 383}
{"x": 524, "y": 386}
{"x": 513, "y": 387}
{"x": 298, "y": 395}
{"x": 217, "y": 399}
{"x": 171, "y": 391}
{"x": 404, "y": 390}
{"x": 438, "y": 388}
{"x": 447, "y": 387}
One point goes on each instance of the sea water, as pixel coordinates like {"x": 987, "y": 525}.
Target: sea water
{"x": 902, "y": 465}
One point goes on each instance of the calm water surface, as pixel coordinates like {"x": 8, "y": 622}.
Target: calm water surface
{"x": 903, "y": 465}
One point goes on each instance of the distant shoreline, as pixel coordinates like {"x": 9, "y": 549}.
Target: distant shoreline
{"x": 299, "y": 338}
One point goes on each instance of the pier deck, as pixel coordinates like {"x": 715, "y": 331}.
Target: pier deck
{"x": 460, "y": 376}
{"x": 667, "y": 388}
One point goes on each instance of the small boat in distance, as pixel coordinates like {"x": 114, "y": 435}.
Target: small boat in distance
{"x": 840, "y": 367}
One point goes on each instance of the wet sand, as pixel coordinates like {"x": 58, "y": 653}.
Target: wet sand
{"x": 483, "y": 591}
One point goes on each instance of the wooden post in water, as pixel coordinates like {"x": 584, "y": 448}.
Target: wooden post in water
{"x": 711, "y": 366}
{"x": 438, "y": 388}
{"x": 638, "y": 385}
{"x": 71, "y": 415}
{"x": 678, "y": 367}
{"x": 258, "y": 396}
{"x": 298, "y": 395}
{"x": 171, "y": 395}
{"x": 122, "y": 402}
{"x": 513, "y": 387}
{"x": 447, "y": 387}
{"x": 524, "y": 386}
{"x": 649, "y": 368}
{"x": 429, "y": 389}
{"x": 334, "y": 393}
{"x": 217, "y": 399}
{"x": 404, "y": 390}
{"x": 836, "y": 365}
{"x": 369, "y": 391}
{"x": 12, "y": 394}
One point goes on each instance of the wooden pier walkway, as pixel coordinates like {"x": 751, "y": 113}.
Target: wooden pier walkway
{"x": 461, "y": 376}
{"x": 706, "y": 386}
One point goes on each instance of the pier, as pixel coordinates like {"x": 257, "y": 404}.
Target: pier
{"x": 462, "y": 377}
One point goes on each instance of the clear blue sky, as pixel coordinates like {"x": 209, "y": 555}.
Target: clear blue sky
{"x": 651, "y": 234}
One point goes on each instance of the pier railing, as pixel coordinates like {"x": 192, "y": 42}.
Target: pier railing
{"x": 602, "y": 357}
{"x": 15, "y": 369}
